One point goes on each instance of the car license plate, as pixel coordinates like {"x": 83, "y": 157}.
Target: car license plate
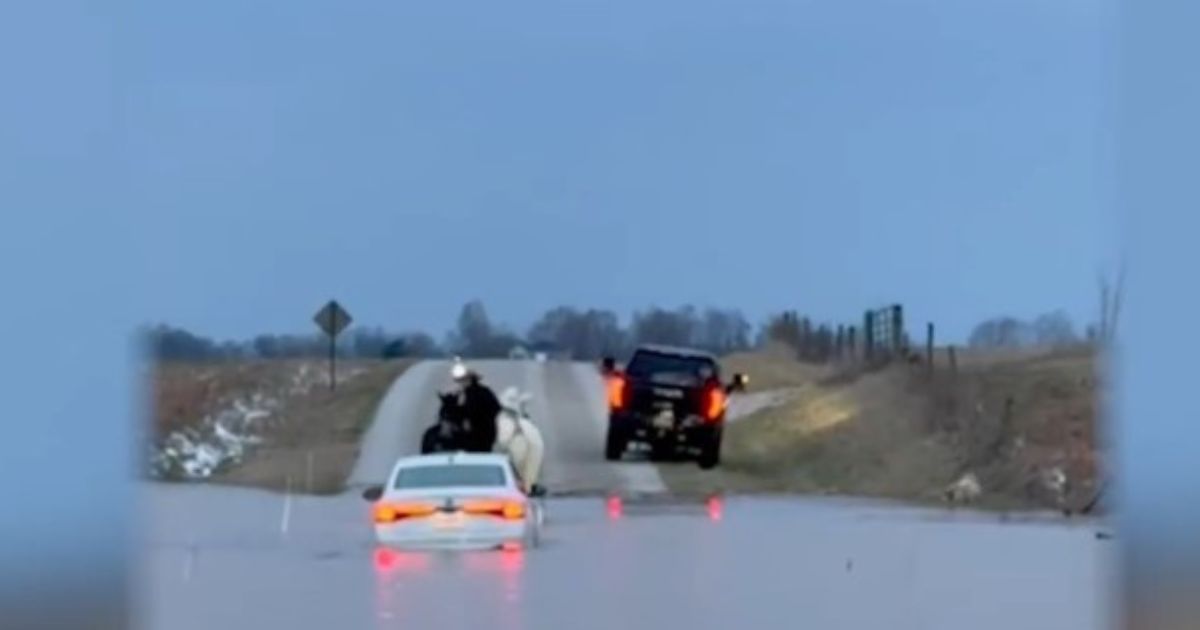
{"x": 453, "y": 520}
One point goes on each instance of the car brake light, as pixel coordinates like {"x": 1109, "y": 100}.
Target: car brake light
{"x": 392, "y": 512}
{"x": 385, "y": 514}
{"x": 483, "y": 507}
{"x": 616, "y": 392}
{"x": 714, "y": 404}
{"x": 508, "y": 510}
{"x": 514, "y": 511}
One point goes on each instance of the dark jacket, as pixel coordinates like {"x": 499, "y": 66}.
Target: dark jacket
{"x": 480, "y": 408}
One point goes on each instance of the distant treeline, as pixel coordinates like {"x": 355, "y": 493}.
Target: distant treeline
{"x": 1051, "y": 329}
{"x": 577, "y": 333}
{"x": 583, "y": 334}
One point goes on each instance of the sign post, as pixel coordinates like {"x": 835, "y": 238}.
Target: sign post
{"x": 332, "y": 319}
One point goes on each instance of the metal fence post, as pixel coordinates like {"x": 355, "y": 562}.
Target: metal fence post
{"x": 869, "y": 335}
{"x": 929, "y": 348}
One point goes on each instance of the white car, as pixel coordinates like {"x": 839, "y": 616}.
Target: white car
{"x": 455, "y": 501}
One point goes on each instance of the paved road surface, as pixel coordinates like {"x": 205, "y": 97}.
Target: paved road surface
{"x": 568, "y": 406}
{"x": 235, "y": 558}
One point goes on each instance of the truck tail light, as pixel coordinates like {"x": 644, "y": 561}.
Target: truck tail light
{"x": 618, "y": 392}
{"x": 714, "y": 403}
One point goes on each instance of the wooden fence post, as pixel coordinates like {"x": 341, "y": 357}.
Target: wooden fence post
{"x": 899, "y": 338}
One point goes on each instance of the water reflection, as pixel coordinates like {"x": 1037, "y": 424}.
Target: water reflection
{"x": 614, "y": 507}
{"x": 716, "y": 508}
{"x": 506, "y": 566}
{"x": 392, "y": 567}
{"x": 406, "y": 582}
{"x": 499, "y": 573}
{"x": 389, "y": 561}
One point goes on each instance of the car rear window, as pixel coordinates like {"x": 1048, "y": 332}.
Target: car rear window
{"x": 653, "y": 364}
{"x": 448, "y": 475}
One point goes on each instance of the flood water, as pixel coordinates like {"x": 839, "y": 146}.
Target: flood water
{"x": 232, "y": 558}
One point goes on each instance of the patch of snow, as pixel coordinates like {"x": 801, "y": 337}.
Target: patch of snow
{"x": 966, "y": 490}
{"x": 302, "y": 379}
{"x": 227, "y": 435}
{"x": 1055, "y": 480}
{"x": 309, "y": 376}
{"x": 219, "y": 439}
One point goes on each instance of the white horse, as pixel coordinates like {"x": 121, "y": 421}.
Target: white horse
{"x": 519, "y": 437}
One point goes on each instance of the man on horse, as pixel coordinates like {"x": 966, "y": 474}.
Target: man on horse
{"x": 479, "y": 408}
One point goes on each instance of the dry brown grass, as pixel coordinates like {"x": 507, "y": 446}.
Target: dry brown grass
{"x": 895, "y": 433}
{"x": 772, "y": 370}
{"x": 183, "y": 393}
{"x": 315, "y": 447}
{"x": 310, "y": 422}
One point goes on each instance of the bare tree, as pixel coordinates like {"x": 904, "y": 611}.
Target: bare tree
{"x": 419, "y": 344}
{"x": 474, "y": 335}
{"x": 1000, "y": 332}
{"x": 587, "y": 334}
{"x": 673, "y": 328}
{"x": 1054, "y": 329}
{"x": 784, "y": 328}
{"x": 723, "y": 331}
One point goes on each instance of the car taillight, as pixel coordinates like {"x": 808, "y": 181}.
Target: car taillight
{"x": 392, "y": 512}
{"x": 714, "y": 403}
{"x": 508, "y": 510}
{"x": 513, "y": 511}
{"x": 617, "y": 392}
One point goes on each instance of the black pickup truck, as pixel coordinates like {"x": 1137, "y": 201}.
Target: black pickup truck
{"x": 671, "y": 399}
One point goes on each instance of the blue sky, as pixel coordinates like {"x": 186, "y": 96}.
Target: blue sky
{"x": 406, "y": 157}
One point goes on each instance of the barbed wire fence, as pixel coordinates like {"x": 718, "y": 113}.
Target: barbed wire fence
{"x": 880, "y": 338}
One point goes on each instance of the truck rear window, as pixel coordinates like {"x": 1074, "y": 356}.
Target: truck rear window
{"x": 654, "y": 364}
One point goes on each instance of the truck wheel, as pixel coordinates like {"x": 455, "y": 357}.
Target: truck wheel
{"x": 710, "y": 451}
{"x": 614, "y": 444}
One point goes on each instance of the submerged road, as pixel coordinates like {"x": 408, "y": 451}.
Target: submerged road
{"x": 220, "y": 558}
{"x": 236, "y": 558}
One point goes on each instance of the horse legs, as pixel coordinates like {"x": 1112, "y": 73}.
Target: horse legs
{"x": 431, "y": 440}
